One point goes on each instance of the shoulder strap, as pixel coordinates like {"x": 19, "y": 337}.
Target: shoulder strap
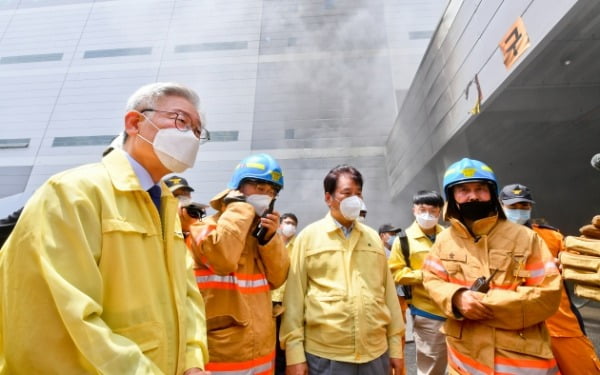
{"x": 405, "y": 248}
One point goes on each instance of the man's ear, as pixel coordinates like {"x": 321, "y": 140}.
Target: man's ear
{"x": 132, "y": 121}
{"x": 328, "y": 199}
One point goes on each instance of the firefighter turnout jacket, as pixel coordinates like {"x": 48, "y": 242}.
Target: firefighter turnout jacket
{"x": 524, "y": 292}
{"x": 235, "y": 275}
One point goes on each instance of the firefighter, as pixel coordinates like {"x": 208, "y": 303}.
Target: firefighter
{"x": 573, "y": 350}
{"x": 237, "y": 266}
{"x": 500, "y": 330}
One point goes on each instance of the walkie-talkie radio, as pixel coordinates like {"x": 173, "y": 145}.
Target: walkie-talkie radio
{"x": 260, "y": 232}
{"x": 482, "y": 284}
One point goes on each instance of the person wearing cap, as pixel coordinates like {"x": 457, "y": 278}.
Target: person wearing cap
{"x": 428, "y": 318}
{"x": 179, "y": 186}
{"x": 189, "y": 212}
{"x": 495, "y": 281}
{"x": 573, "y": 350}
{"x": 388, "y": 233}
{"x": 96, "y": 278}
{"x": 240, "y": 257}
{"x": 341, "y": 312}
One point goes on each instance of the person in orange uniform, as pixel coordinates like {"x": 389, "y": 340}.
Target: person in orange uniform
{"x": 573, "y": 350}
{"x": 236, "y": 268}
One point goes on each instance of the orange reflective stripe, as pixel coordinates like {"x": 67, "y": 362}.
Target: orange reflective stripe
{"x": 245, "y": 283}
{"x": 256, "y": 366}
{"x": 435, "y": 266}
{"x": 536, "y": 273}
{"x": 454, "y": 280}
{"x": 466, "y": 365}
{"x": 540, "y": 366}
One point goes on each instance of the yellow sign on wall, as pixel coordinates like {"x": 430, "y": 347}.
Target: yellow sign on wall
{"x": 514, "y": 43}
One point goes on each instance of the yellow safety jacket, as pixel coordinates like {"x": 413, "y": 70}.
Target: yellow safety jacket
{"x": 235, "y": 275}
{"x": 419, "y": 246}
{"x": 277, "y": 294}
{"x": 524, "y": 292}
{"x": 340, "y": 300}
{"x": 94, "y": 282}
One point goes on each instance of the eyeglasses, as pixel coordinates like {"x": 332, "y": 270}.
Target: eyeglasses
{"x": 183, "y": 123}
{"x": 263, "y": 187}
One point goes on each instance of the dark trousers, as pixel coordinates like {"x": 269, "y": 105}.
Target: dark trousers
{"x": 324, "y": 366}
{"x": 279, "y": 353}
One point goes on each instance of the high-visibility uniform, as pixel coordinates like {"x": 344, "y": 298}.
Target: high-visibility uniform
{"x": 573, "y": 350}
{"x": 419, "y": 246}
{"x": 340, "y": 300}
{"x": 235, "y": 275}
{"x": 427, "y": 316}
{"x": 94, "y": 281}
{"x": 524, "y": 292}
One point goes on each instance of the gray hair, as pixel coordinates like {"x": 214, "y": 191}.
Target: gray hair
{"x": 147, "y": 96}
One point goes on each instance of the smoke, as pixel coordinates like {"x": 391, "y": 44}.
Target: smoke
{"x": 327, "y": 64}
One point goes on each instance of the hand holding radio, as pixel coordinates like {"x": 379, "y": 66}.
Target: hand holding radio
{"x": 267, "y": 226}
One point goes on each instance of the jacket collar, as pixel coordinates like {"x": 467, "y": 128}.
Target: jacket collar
{"x": 331, "y": 225}
{"x": 414, "y": 230}
{"x": 120, "y": 171}
{"x": 217, "y": 201}
{"x": 478, "y": 228}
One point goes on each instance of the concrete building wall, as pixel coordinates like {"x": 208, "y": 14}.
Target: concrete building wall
{"x": 316, "y": 83}
{"x": 428, "y": 134}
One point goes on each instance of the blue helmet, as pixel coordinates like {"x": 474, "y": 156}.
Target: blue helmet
{"x": 258, "y": 167}
{"x": 468, "y": 170}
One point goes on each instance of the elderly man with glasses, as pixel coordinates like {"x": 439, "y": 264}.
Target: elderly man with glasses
{"x": 95, "y": 276}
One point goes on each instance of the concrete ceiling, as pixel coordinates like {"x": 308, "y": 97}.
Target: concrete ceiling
{"x": 543, "y": 127}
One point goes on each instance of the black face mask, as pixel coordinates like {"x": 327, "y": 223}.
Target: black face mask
{"x": 476, "y": 210}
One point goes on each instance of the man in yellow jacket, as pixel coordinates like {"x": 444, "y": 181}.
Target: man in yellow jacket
{"x": 239, "y": 259}
{"x": 95, "y": 276}
{"x": 341, "y": 311}
{"x": 495, "y": 280}
{"x": 430, "y": 343}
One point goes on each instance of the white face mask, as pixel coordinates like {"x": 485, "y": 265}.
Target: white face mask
{"x": 517, "y": 216}
{"x": 426, "y": 220}
{"x": 288, "y": 230}
{"x": 184, "y": 200}
{"x": 260, "y": 202}
{"x": 175, "y": 149}
{"x": 350, "y": 207}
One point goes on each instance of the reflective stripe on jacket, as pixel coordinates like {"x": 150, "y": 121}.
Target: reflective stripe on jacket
{"x": 258, "y": 366}
{"x": 524, "y": 292}
{"x": 235, "y": 275}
